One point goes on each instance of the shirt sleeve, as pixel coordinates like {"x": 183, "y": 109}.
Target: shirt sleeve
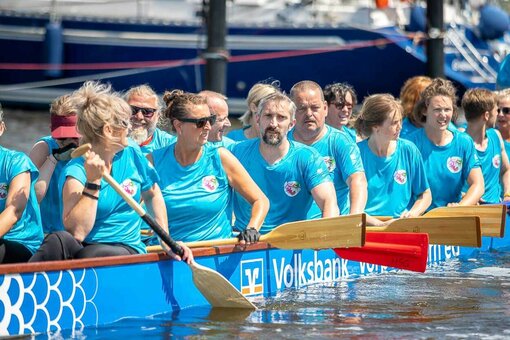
{"x": 315, "y": 169}
{"x": 348, "y": 157}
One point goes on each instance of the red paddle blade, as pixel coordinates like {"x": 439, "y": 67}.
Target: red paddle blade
{"x": 398, "y": 250}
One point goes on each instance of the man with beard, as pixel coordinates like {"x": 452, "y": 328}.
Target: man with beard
{"x": 218, "y": 106}
{"x": 145, "y": 106}
{"x": 290, "y": 174}
{"x": 339, "y": 152}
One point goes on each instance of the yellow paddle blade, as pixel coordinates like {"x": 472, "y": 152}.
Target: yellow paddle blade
{"x": 333, "y": 232}
{"x": 217, "y": 289}
{"x": 492, "y": 217}
{"x": 455, "y": 231}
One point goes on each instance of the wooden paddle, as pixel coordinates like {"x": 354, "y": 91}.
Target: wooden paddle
{"x": 332, "y": 232}
{"x": 455, "y": 231}
{"x": 492, "y": 216}
{"x": 215, "y": 288}
{"x": 398, "y": 250}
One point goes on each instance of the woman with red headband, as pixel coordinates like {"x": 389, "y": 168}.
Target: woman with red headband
{"x": 50, "y": 154}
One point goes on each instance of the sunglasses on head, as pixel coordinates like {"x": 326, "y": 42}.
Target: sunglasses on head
{"x": 146, "y": 111}
{"x": 504, "y": 110}
{"x": 200, "y": 122}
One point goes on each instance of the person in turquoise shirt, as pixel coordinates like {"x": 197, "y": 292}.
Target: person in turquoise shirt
{"x": 503, "y": 120}
{"x": 341, "y": 99}
{"x": 481, "y": 111}
{"x": 146, "y": 115}
{"x": 449, "y": 156}
{"x": 291, "y": 174}
{"x": 20, "y": 219}
{"x": 397, "y": 183}
{"x": 339, "y": 152}
{"x": 50, "y": 155}
{"x": 98, "y": 221}
{"x": 250, "y": 129}
{"x": 198, "y": 179}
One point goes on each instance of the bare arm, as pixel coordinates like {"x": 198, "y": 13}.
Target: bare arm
{"x": 45, "y": 162}
{"x": 476, "y": 188}
{"x": 76, "y": 222}
{"x": 325, "y": 196}
{"x": 422, "y": 203}
{"x": 241, "y": 181}
{"x": 357, "y": 183}
{"x": 505, "y": 169}
{"x": 15, "y": 202}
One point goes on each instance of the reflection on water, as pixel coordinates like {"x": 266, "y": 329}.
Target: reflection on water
{"x": 457, "y": 300}
{"x": 24, "y": 128}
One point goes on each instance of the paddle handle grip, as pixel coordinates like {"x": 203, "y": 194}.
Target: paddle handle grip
{"x": 176, "y": 248}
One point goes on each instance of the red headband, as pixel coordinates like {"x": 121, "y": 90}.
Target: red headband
{"x": 64, "y": 127}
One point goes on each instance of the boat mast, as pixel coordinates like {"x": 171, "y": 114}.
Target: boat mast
{"x": 435, "y": 45}
{"x": 216, "y": 54}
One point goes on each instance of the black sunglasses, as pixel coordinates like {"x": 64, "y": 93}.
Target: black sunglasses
{"x": 200, "y": 122}
{"x": 146, "y": 111}
{"x": 504, "y": 110}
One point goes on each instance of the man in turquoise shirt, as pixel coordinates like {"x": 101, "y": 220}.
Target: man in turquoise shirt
{"x": 340, "y": 153}
{"x": 146, "y": 112}
{"x": 290, "y": 174}
{"x": 218, "y": 106}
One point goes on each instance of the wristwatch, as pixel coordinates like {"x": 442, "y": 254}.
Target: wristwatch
{"x": 92, "y": 186}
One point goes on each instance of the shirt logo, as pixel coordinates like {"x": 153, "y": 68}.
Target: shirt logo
{"x": 129, "y": 187}
{"x": 330, "y": 163}
{"x": 400, "y": 176}
{"x": 454, "y": 164}
{"x": 4, "y": 188}
{"x": 210, "y": 183}
{"x": 292, "y": 188}
{"x": 496, "y": 161}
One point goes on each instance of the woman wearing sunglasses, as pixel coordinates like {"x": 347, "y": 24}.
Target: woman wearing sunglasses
{"x": 50, "y": 155}
{"x": 197, "y": 178}
{"x": 449, "y": 155}
{"x": 98, "y": 222}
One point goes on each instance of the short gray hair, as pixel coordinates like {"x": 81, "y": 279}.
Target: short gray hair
{"x": 278, "y": 98}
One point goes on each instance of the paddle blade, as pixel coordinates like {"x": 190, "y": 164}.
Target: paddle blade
{"x": 218, "y": 290}
{"x": 407, "y": 251}
{"x": 492, "y": 216}
{"x": 333, "y": 232}
{"x": 454, "y": 231}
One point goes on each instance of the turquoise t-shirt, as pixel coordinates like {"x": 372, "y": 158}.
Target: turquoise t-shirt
{"x": 28, "y": 230}
{"x": 159, "y": 140}
{"x": 395, "y": 181}
{"x": 342, "y": 159}
{"x": 287, "y": 183}
{"x": 238, "y": 134}
{"x": 407, "y": 127}
{"x": 490, "y": 161}
{"x": 197, "y": 196}
{"x": 116, "y": 221}
{"x": 51, "y": 205}
{"x": 225, "y": 142}
{"x": 447, "y": 167}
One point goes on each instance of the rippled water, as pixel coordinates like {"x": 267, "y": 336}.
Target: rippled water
{"x": 457, "y": 300}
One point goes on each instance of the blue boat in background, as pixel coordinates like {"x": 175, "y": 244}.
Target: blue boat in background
{"x": 51, "y": 50}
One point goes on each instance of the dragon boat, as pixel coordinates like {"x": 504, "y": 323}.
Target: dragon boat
{"x": 69, "y": 295}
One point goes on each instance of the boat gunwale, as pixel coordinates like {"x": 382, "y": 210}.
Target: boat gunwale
{"x": 48, "y": 266}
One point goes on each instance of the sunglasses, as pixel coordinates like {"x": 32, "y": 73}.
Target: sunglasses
{"x": 200, "y": 122}
{"x": 146, "y": 111}
{"x": 504, "y": 110}
{"x": 340, "y": 105}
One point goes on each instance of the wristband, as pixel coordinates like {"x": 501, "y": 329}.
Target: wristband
{"x": 92, "y": 186}
{"x": 86, "y": 194}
